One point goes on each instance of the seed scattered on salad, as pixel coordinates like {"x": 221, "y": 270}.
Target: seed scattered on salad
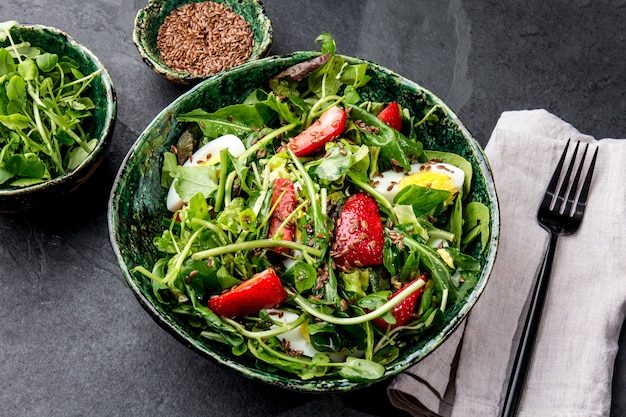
{"x": 204, "y": 38}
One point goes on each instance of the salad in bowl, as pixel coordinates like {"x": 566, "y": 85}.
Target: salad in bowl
{"x": 313, "y": 231}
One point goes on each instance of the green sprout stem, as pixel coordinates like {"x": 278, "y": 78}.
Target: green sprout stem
{"x": 255, "y": 244}
{"x": 171, "y": 274}
{"x": 382, "y": 201}
{"x": 347, "y": 321}
{"x": 427, "y": 116}
{"x": 221, "y": 190}
{"x": 265, "y": 140}
{"x": 266, "y": 333}
{"x": 315, "y": 112}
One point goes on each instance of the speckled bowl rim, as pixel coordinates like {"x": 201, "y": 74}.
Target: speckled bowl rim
{"x": 315, "y": 385}
{"x": 154, "y": 61}
{"x": 105, "y": 136}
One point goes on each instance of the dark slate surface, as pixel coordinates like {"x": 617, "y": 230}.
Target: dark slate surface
{"x": 73, "y": 339}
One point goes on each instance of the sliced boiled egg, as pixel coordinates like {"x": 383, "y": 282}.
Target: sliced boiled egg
{"x": 432, "y": 174}
{"x": 298, "y": 338}
{"x": 208, "y": 154}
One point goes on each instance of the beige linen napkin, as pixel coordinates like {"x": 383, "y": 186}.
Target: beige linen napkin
{"x": 572, "y": 366}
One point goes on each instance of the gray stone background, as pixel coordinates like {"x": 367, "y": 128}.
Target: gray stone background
{"x": 73, "y": 339}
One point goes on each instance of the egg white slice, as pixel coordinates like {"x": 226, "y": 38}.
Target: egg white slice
{"x": 208, "y": 154}
{"x": 295, "y": 337}
{"x": 299, "y": 342}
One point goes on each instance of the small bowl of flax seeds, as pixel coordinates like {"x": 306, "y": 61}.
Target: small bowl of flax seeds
{"x": 187, "y": 41}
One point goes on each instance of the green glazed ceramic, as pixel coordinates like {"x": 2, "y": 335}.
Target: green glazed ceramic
{"x": 100, "y": 126}
{"x": 137, "y": 203}
{"x": 151, "y": 17}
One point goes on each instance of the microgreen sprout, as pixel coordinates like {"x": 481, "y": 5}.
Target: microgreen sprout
{"x": 43, "y": 109}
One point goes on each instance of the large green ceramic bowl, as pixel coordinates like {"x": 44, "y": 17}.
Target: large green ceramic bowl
{"x": 137, "y": 204}
{"x": 151, "y": 17}
{"x": 100, "y": 125}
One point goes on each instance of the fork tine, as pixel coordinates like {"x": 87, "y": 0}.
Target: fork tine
{"x": 563, "y": 189}
{"x": 574, "y": 188}
{"x": 549, "y": 194}
{"x": 582, "y": 198}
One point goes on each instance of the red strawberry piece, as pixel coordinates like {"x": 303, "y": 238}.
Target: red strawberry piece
{"x": 391, "y": 115}
{"x": 284, "y": 198}
{"x": 404, "y": 311}
{"x": 263, "y": 290}
{"x": 359, "y": 239}
{"x": 327, "y": 127}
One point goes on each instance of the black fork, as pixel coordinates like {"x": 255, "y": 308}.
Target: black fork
{"x": 560, "y": 214}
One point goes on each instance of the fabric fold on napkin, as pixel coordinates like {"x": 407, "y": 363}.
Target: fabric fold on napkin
{"x": 572, "y": 366}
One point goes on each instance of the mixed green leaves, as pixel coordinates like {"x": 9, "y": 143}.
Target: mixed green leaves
{"x": 43, "y": 110}
{"x": 220, "y": 236}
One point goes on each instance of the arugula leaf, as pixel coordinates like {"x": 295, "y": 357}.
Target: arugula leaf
{"x": 395, "y": 148}
{"x": 439, "y": 271}
{"x": 424, "y": 200}
{"x": 282, "y": 108}
{"x": 476, "y": 223}
{"x": 229, "y": 333}
{"x": 455, "y": 223}
{"x": 237, "y": 119}
{"x": 324, "y": 337}
{"x": 467, "y": 268}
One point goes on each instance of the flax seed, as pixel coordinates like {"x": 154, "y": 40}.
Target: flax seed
{"x": 204, "y": 38}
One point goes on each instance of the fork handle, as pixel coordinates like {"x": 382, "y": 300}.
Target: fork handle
{"x": 529, "y": 333}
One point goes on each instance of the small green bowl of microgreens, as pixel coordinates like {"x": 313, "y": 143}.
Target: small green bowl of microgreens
{"x": 57, "y": 115}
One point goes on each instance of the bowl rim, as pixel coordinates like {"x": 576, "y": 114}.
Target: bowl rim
{"x": 107, "y": 129}
{"x": 156, "y": 63}
{"x": 292, "y": 383}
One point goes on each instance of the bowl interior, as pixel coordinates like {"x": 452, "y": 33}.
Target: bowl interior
{"x": 102, "y": 93}
{"x": 151, "y": 17}
{"x": 137, "y": 201}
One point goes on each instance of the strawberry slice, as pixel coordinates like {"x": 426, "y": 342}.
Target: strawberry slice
{"x": 327, "y": 127}
{"x": 392, "y": 115}
{"x": 263, "y": 290}
{"x": 284, "y": 198}
{"x": 404, "y": 311}
{"x": 359, "y": 239}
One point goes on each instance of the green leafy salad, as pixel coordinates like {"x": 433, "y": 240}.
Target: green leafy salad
{"x": 310, "y": 231}
{"x": 43, "y": 105}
